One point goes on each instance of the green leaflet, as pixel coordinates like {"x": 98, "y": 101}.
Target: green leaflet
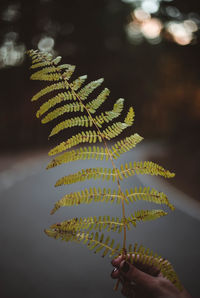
{"x": 96, "y": 152}
{"x": 90, "y": 223}
{"x": 93, "y": 105}
{"x": 145, "y": 215}
{"x": 88, "y": 196}
{"x": 149, "y": 195}
{"x": 130, "y": 169}
{"x": 59, "y": 98}
{"x": 75, "y": 85}
{"x": 68, "y": 108}
{"x": 48, "y": 89}
{"x": 87, "y": 121}
{"x": 89, "y": 88}
{"x": 90, "y": 137}
{"x": 83, "y": 137}
{"x": 94, "y": 241}
{"x": 91, "y": 195}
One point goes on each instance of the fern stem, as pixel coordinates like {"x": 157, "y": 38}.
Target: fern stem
{"x": 111, "y": 159}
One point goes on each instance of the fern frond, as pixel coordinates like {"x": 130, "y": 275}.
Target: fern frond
{"x": 90, "y": 136}
{"x": 89, "y": 88}
{"x": 149, "y": 195}
{"x": 125, "y": 145}
{"x": 60, "y": 97}
{"x": 110, "y": 115}
{"x": 130, "y": 117}
{"x": 130, "y": 169}
{"x": 50, "y": 88}
{"x": 145, "y": 256}
{"x": 86, "y": 121}
{"x": 74, "y": 107}
{"x": 47, "y": 69}
{"x": 68, "y": 70}
{"x": 38, "y": 57}
{"x": 46, "y": 63}
{"x": 87, "y": 174}
{"x": 96, "y": 152}
{"x": 94, "y": 104}
{"x": 144, "y": 167}
{"x": 49, "y": 73}
{"x": 53, "y": 73}
{"x": 76, "y": 121}
{"x": 88, "y": 196}
{"x": 75, "y": 85}
{"x": 82, "y": 153}
{"x": 84, "y": 224}
{"x": 68, "y": 108}
{"x": 94, "y": 241}
{"x": 145, "y": 215}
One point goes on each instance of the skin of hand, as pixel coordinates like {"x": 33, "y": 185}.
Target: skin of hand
{"x": 144, "y": 281}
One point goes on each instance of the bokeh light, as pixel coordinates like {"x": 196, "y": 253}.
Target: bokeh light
{"x": 11, "y": 13}
{"x": 150, "y": 6}
{"x": 46, "y": 44}
{"x": 180, "y": 27}
{"x": 151, "y": 28}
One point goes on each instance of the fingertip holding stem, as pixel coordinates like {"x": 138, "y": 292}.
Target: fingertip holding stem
{"x": 124, "y": 267}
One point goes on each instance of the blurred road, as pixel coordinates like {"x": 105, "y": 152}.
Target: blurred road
{"x": 35, "y": 266}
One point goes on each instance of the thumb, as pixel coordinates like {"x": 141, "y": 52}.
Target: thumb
{"x": 131, "y": 273}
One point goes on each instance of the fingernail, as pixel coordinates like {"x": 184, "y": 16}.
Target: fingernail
{"x": 114, "y": 270}
{"x": 125, "y": 267}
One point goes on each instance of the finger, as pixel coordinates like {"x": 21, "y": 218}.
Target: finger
{"x": 115, "y": 273}
{"x": 145, "y": 264}
{"x": 116, "y": 262}
{"x": 131, "y": 273}
{"x": 128, "y": 290}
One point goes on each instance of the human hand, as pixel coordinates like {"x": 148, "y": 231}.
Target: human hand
{"x": 144, "y": 280}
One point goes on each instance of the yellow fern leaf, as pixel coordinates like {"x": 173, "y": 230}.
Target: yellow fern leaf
{"x": 48, "y": 89}
{"x": 130, "y": 117}
{"x": 68, "y": 108}
{"x": 60, "y": 97}
{"x": 144, "y": 215}
{"x": 87, "y": 174}
{"x": 68, "y": 70}
{"x": 38, "y": 57}
{"x": 75, "y": 85}
{"x": 93, "y": 241}
{"x": 106, "y": 173}
{"x": 93, "y": 105}
{"x": 147, "y": 194}
{"x": 82, "y": 153}
{"x": 97, "y": 223}
{"x": 96, "y": 152}
{"x": 74, "y": 107}
{"x": 125, "y": 145}
{"x": 77, "y": 121}
{"x": 87, "y": 121}
{"x": 88, "y": 196}
{"x": 47, "y": 74}
{"x": 90, "y": 136}
{"x": 144, "y": 167}
{"x": 110, "y": 115}
{"x": 89, "y": 88}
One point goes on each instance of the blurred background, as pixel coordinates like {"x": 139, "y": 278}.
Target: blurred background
{"x": 148, "y": 53}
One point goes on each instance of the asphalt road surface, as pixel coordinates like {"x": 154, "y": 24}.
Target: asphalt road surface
{"x": 36, "y": 266}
